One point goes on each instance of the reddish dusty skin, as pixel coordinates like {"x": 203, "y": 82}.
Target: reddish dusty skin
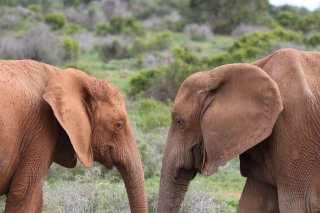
{"x": 268, "y": 113}
{"x": 48, "y": 114}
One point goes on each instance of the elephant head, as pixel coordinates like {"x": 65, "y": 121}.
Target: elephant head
{"x": 216, "y": 116}
{"x": 95, "y": 127}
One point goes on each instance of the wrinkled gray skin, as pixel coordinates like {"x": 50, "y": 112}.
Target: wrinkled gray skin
{"x": 268, "y": 112}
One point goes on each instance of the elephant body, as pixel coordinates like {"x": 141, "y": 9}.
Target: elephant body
{"x": 267, "y": 112}
{"x": 24, "y": 111}
{"x": 286, "y": 165}
{"x": 51, "y": 115}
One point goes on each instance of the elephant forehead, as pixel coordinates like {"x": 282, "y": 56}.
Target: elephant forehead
{"x": 105, "y": 91}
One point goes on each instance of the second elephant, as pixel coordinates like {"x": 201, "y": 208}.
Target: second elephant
{"x": 268, "y": 112}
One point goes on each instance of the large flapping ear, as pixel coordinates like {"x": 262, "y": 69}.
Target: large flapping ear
{"x": 67, "y": 94}
{"x": 240, "y": 110}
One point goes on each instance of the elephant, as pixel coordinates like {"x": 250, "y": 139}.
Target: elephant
{"x": 57, "y": 115}
{"x": 267, "y": 112}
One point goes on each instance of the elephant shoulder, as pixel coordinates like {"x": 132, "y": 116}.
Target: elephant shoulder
{"x": 292, "y": 71}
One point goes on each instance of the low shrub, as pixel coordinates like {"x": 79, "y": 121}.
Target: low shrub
{"x": 71, "y": 48}
{"x": 153, "y": 60}
{"x": 313, "y": 40}
{"x": 114, "y": 48}
{"x": 101, "y": 29}
{"x": 144, "y": 79}
{"x": 252, "y": 45}
{"x": 17, "y": 18}
{"x": 86, "y": 15}
{"x": 309, "y": 22}
{"x": 73, "y": 28}
{"x": 34, "y": 7}
{"x": 112, "y": 8}
{"x": 198, "y": 32}
{"x": 120, "y": 25}
{"x": 46, "y": 48}
{"x": 287, "y": 18}
{"x": 87, "y": 41}
{"x": 172, "y": 21}
{"x": 152, "y": 113}
{"x": 2, "y": 203}
{"x": 55, "y": 20}
{"x": 87, "y": 193}
{"x": 245, "y": 28}
{"x": 288, "y": 35}
{"x": 163, "y": 83}
{"x": 158, "y": 42}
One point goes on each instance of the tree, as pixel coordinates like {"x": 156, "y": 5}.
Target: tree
{"x": 224, "y": 15}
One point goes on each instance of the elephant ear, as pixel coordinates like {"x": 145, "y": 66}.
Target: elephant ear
{"x": 239, "y": 111}
{"x": 67, "y": 94}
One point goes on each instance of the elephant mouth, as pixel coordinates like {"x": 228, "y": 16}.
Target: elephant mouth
{"x": 108, "y": 159}
{"x": 184, "y": 176}
{"x": 102, "y": 154}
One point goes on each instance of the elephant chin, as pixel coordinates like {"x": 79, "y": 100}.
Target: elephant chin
{"x": 103, "y": 156}
{"x": 108, "y": 163}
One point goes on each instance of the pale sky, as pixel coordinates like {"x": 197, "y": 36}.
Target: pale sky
{"x": 309, "y": 4}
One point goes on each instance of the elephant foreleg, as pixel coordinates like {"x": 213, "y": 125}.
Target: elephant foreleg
{"x": 258, "y": 197}
{"x": 25, "y": 193}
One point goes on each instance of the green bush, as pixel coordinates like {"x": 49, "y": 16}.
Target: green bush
{"x": 163, "y": 83}
{"x": 287, "y": 18}
{"x": 218, "y": 59}
{"x": 55, "y": 20}
{"x": 71, "y": 48}
{"x": 101, "y": 29}
{"x": 152, "y": 113}
{"x": 144, "y": 79}
{"x": 114, "y": 49}
{"x": 288, "y": 35}
{"x": 73, "y": 28}
{"x": 252, "y": 45}
{"x": 34, "y": 7}
{"x": 159, "y": 42}
{"x": 309, "y": 22}
{"x": 313, "y": 40}
{"x": 119, "y": 25}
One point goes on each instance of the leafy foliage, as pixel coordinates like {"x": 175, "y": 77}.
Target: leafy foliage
{"x": 55, "y": 20}
{"x": 313, "y": 40}
{"x": 71, "y": 48}
{"x": 114, "y": 48}
{"x": 224, "y": 15}
{"x": 119, "y": 25}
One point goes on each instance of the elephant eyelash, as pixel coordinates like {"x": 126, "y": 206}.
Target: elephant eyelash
{"x": 179, "y": 122}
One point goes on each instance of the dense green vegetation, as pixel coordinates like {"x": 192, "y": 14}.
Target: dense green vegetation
{"x": 147, "y": 48}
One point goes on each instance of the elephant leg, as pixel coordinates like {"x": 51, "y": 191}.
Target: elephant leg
{"x": 258, "y": 197}
{"x": 25, "y": 192}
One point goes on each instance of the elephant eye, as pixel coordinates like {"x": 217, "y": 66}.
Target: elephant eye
{"x": 179, "y": 123}
{"x": 118, "y": 126}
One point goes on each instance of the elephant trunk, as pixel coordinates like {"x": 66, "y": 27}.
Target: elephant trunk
{"x": 171, "y": 192}
{"x": 133, "y": 177}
